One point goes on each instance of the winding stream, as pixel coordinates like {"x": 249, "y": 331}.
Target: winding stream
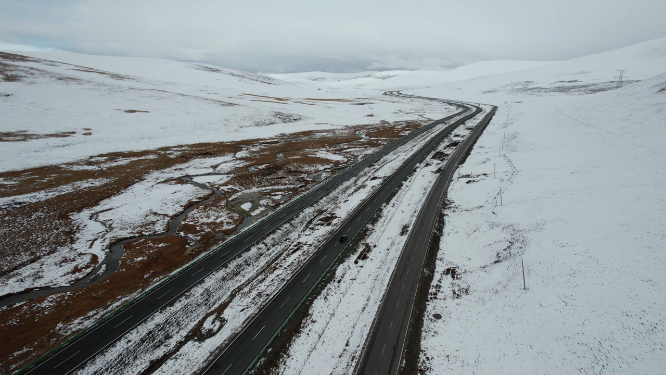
{"x": 111, "y": 262}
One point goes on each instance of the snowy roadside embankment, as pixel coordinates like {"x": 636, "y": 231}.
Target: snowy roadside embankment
{"x": 206, "y": 317}
{"x": 583, "y": 205}
{"x": 332, "y": 336}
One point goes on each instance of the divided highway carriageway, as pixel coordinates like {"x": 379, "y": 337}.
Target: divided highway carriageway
{"x": 250, "y": 344}
{"x": 385, "y": 345}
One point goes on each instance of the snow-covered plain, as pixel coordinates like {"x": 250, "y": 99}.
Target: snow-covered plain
{"x": 111, "y": 104}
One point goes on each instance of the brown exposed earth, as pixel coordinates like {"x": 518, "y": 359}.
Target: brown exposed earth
{"x": 31, "y": 230}
{"x": 23, "y": 135}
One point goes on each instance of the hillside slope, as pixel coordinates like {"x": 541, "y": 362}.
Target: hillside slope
{"x": 568, "y": 178}
{"x": 582, "y": 204}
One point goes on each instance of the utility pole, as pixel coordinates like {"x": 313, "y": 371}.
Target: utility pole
{"x": 501, "y": 204}
{"x": 523, "y": 265}
{"x": 619, "y": 80}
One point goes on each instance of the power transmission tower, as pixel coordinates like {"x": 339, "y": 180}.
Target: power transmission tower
{"x": 619, "y": 80}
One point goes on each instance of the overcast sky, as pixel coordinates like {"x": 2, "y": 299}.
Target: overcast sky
{"x": 335, "y": 35}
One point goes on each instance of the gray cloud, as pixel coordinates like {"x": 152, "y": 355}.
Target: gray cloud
{"x": 342, "y": 35}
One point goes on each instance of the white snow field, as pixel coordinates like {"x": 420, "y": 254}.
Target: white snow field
{"x": 170, "y": 103}
{"x": 580, "y": 165}
{"x": 584, "y": 204}
{"x": 405, "y": 78}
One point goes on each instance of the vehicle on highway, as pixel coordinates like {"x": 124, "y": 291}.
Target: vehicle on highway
{"x": 343, "y": 238}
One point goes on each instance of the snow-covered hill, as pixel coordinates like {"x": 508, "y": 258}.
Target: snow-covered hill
{"x": 583, "y": 204}
{"x": 402, "y": 79}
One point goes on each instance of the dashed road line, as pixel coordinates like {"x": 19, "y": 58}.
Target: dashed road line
{"x": 165, "y": 293}
{"x": 68, "y": 358}
{"x": 126, "y": 319}
{"x": 255, "y": 336}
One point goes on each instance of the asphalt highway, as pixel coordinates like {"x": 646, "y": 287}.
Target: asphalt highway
{"x": 385, "y": 344}
{"x": 71, "y": 355}
{"x": 248, "y": 347}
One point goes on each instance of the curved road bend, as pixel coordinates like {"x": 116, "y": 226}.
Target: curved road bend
{"x": 70, "y": 356}
{"x": 248, "y": 347}
{"x": 385, "y": 343}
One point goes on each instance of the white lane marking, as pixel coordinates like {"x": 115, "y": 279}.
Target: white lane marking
{"x": 197, "y": 272}
{"x": 255, "y": 336}
{"x": 285, "y": 301}
{"x": 68, "y": 358}
{"x": 358, "y": 218}
{"x": 126, "y": 319}
{"x": 306, "y": 277}
{"x": 322, "y": 259}
{"x": 225, "y": 371}
{"x": 165, "y": 293}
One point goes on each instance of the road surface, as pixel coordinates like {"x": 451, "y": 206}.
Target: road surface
{"x": 248, "y": 347}
{"x": 385, "y": 344}
{"x": 79, "y": 350}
